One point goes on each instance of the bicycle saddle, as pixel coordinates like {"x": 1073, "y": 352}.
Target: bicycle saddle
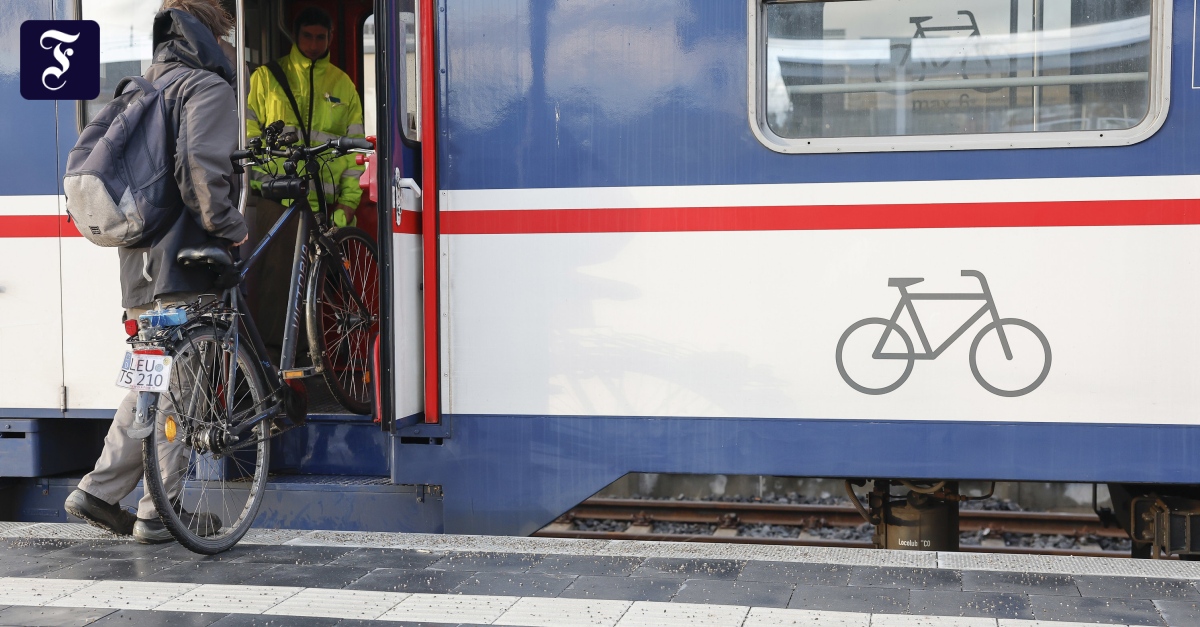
{"x": 902, "y": 282}
{"x": 211, "y": 256}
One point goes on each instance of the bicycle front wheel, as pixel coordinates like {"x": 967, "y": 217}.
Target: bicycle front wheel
{"x": 208, "y": 490}
{"x": 340, "y": 329}
{"x": 1013, "y": 371}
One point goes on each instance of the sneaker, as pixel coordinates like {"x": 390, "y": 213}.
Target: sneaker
{"x": 99, "y": 513}
{"x": 151, "y": 531}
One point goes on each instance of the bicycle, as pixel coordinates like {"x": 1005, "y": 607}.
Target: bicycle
{"x": 909, "y": 356}
{"x": 210, "y": 398}
{"x": 888, "y": 73}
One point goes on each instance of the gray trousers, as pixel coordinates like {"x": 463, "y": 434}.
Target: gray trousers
{"x": 119, "y": 468}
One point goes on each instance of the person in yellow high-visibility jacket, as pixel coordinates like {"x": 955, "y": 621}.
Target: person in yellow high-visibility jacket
{"x": 329, "y": 106}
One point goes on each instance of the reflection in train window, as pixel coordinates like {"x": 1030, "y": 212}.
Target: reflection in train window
{"x": 883, "y": 68}
{"x": 125, "y": 43}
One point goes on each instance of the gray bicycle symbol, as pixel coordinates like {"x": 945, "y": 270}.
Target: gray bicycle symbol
{"x": 1001, "y": 326}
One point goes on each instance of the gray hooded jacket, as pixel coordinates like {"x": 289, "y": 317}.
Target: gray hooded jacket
{"x": 204, "y": 111}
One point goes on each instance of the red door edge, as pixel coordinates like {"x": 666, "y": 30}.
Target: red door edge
{"x": 429, "y": 196}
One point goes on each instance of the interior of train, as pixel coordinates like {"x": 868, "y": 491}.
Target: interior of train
{"x": 266, "y": 26}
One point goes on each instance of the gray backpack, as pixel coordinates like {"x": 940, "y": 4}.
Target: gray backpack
{"x": 120, "y": 179}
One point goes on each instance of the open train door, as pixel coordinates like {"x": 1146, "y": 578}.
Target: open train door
{"x": 397, "y": 168}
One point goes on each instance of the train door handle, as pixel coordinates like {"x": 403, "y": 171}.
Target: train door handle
{"x": 408, "y": 195}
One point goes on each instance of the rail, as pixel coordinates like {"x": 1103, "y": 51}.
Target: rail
{"x": 728, "y": 516}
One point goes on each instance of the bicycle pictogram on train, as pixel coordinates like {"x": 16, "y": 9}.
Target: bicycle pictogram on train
{"x": 1020, "y": 362}
{"x": 905, "y": 70}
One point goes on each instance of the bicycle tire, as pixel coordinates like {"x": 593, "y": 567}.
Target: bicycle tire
{"x": 339, "y": 337}
{"x": 996, "y": 324}
{"x": 888, "y": 325}
{"x": 228, "y": 486}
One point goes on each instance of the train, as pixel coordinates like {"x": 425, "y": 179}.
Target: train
{"x": 912, "y": 242}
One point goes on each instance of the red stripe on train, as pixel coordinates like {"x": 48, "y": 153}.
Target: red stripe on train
{"x": 829, "y": 217}
{"x": 37, "y": 226}
{"x": 410, "y": 223}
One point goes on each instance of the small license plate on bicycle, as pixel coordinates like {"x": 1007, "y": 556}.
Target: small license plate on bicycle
{"x": 145, "y": 373}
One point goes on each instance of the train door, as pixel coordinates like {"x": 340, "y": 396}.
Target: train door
{"x": 30, "y": 221}
{"x": 399, "y": 130}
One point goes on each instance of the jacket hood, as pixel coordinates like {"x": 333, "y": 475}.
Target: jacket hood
{"x": 298, "y": 58}
{"x": 181, "y": 38}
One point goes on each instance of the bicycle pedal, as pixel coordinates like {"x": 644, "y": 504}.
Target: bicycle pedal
{"x": 297, "y": 373}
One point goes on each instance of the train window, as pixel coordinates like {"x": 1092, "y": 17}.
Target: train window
{"x": 125, "y": 43}
{"x": 411, "y": 98}
{"x": 368, "y": 73}
{"x": 942, "y": 74}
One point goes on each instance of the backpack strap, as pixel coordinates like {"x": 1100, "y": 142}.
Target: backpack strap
{"x": 146, "y": 86}
{"x": 281, "y": 78}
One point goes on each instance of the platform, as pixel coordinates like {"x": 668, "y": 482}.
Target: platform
{"x": 69, "y": 574}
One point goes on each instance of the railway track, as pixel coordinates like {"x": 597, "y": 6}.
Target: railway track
{"x": 643, "y": 514}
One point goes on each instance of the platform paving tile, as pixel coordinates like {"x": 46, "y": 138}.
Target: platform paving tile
{"x": 29, "y": 616}
{"x": 146, "y": 618}
{"x": 679, "y": 568}
{"x": 1136, "y": 587}
{"x": 774, "y": 617}
{"x": 1020, "y": 583}
{"x": 260, "y": 620}
{"x": 285, "y": 554}
{"x": 107, "y": 568}
{"x": 1095, "y": 610}
{"x": 653, "y": 614}
{"x": 308, "y": 576}
{"x": 514, "y": 584}
{"x": 850, "y": 599}
{"x": 487, "y": 562}
{"x": 450, "y": 607}
{"x": 34, "y": 546}
{"x": 623, "y": 588}
{"x": 534, "y": 612}
{"x": 981, "y": 604}
{"x": 361, "y": 604}
{"x": 797, "y": 573}
{"x": 124, "y": 595}
{"x": 901, "y": 620}
{"x": 751, "y": 593}
{"x": 37, "y": 591}
{"x": 909, "y": 578}
{"x": 218, "y": 598}
{"x": 1180, "y": 613}
{"x": 212, "y": 572}
{"x": 388, "y": 558}
{"x": 31, "y": 565}
{"x": 407, "y": 580}
{"x": 606, "y": 565}
{"x": 118, "y": 549}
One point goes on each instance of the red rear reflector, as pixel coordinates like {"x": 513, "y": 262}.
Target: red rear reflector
{"x": 149, "y": 351}
{"x": 131, "y": 327}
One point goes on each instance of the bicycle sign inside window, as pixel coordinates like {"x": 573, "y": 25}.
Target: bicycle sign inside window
{"x": 863, "y": 72}
{"x": 1009, "y": 356}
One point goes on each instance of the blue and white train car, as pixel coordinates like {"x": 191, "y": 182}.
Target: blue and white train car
{"x": 895, "y": 239}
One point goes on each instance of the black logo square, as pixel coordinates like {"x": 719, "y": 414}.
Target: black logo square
{"x": 60, "y": 59}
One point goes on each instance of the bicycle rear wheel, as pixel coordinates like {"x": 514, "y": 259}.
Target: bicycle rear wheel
{"x": 340, "y": 332}
{"x": 207, "y": 499}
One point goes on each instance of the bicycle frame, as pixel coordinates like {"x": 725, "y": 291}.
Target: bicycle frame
{"x": 906, "y": 302}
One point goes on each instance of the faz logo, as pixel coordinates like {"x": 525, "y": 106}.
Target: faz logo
{"x": 60, "y": 59}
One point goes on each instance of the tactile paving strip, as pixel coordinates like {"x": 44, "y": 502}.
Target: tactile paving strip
{"x": 61, "y": 531}
{"x": 1065, "y": 565}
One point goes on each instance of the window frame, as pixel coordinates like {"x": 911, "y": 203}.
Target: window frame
{"x": 1156, "y": 112}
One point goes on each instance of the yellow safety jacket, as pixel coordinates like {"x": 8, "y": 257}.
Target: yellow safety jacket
{"x": 336, "y": 112}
